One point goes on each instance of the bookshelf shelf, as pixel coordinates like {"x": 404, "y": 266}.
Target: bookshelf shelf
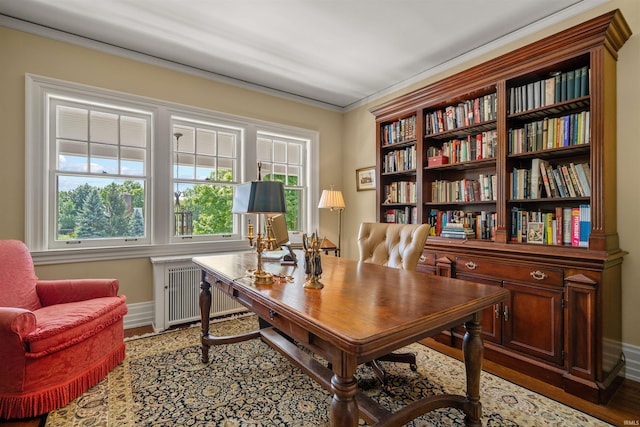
{"x": 521, "y": 151}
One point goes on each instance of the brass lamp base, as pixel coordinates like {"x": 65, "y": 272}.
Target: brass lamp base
{"x": 263, "y": 278}
{"x": 313, "y": 283}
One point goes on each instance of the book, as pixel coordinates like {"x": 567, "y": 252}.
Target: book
{"x": 585, "y": 182}
{"x": 535, "y": 232}
{"x": 535, "y": 179}
{"x": 558, "y": 226}
{"x": 585, "y": 225}
{"x": 575, "y": 226}
{"x": 566, "y": 225}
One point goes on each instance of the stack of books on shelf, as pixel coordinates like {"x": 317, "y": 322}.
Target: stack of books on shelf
{"x": 459, "y": 224}
{"x": 465, "y": 190}
{"x": 544, "y": 180}
{"x": 559, "y": 87}
{"x": 555, "y": 132}
{"x": 400, "y": 192}
{"x": 408, "y": 215}
{"x": 400, "y": 160}
{"x": 398, "y": 131}
{"x": 569, "y": 226}
{"x": 473, "y": 147}
{"x": 467, "y": 113}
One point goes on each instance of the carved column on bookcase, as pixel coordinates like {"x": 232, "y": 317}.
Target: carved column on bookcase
{"x": 443, "y": 267}
{"x": 502, "y": 235}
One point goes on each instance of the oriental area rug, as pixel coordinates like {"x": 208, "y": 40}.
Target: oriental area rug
{"x": 162, "y": 382}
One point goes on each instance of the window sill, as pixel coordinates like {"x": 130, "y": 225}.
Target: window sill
{"x": 64, "y": 256}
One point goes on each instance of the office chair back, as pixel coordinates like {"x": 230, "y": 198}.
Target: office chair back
{"x": 392, "y": 245}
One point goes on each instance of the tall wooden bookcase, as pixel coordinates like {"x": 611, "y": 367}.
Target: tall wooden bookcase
{"x": 552, "y": 102}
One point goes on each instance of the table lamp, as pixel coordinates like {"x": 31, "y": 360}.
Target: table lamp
{"x": 333, "y": 199}
{"x": 261, "y": 198}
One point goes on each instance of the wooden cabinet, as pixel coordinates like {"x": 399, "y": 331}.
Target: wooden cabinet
{"x": 513, "y": 162}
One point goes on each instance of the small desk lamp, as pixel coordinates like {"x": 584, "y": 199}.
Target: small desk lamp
{"x": 262, "y": 198}
{"x": 333, "y": 199}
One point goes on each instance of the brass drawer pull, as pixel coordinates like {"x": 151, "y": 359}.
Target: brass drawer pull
{"x": 422, "y": 258}
{"x": 538, "y": 275}
{"x": 471, "y": 265}
{"x": 272, "y": 314}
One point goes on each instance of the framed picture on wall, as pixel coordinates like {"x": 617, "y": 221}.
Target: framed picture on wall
{"x": 366, "y": 178}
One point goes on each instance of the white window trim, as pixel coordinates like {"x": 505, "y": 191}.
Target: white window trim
{"x": 37, "y": 88}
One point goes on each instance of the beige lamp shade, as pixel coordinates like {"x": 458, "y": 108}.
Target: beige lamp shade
{"x": 331, "y": 199}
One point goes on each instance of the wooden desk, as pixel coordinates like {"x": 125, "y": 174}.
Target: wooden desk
{"x": 363, "y": 312}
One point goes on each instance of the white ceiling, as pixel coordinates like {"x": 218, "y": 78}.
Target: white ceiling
{"x": 338, "y": 53}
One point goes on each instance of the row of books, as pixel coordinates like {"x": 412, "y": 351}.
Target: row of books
{"x": 568, "y": 226}
{"x": 544, "y": 180}
{"x": 559, "y": 87}
{"x": 465, "y": 190}
{"x": 400, "y": 160}
{"x": 474, "y": 147}
{"x": 457, "y": 224}
{"x": 408, "y": 215}
{"x": 467, "y": 113}
{"x": 555, "y": 132}
{"x": 400, "y": 192}
{"x": 398, "y": 131}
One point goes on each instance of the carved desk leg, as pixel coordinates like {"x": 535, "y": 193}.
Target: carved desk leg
{"x": 472, "y": 350}
{"x": 205, "y": 309}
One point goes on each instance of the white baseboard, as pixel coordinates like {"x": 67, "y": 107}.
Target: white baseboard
{"x": 632, "y": 362}
{"x": 142, "y": 314}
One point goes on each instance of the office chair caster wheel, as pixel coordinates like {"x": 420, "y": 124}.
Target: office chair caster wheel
{"x": 413, "y": 367}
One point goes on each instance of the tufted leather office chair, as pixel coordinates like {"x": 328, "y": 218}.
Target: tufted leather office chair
{"x": 396, "y": 246}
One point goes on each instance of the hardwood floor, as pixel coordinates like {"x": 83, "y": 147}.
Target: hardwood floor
{"x": 622, "y": 410}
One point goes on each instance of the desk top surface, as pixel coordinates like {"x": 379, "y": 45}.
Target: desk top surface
{"x": 360, "y": 302}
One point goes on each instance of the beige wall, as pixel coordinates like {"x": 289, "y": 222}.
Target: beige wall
{"x": 347, "y": 140}
{"x": 23, "y": 53}
{"x": 359, "y": 151}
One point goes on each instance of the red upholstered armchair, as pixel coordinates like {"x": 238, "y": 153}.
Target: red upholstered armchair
{"x": 58, "y": 338}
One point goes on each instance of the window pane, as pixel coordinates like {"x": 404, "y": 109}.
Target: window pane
{"x": 264, "y": 150}
{"x": 104, "y": 158}
{"x": 206, "y": 168}
{"x": 294, "y": 154}
{"x": 104, "y": 127}
{"x": 72, "y": 123}
{"x": 206, "y": 142}
{"x": 184, "y": 166}
{"x": 294, "y": 176}
{"x": 185, "y": 143}
{"x": 133, "y": 131}
{"x": 279, "y": 151}
{"x": 132, "y": 161}
{"x": 279, "y": 173}
{"x": 73, "y": 156}
{"x": 225, "y": 170}
{"x": 293, "y": 215}
{"x": 226, "y": 145}
{"x": 203, "y": 209}
{"x": 94, "y": 208}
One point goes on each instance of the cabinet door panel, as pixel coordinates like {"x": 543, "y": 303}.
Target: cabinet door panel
{"x": 533, "y": 321}
{"x": 491, "y": 316}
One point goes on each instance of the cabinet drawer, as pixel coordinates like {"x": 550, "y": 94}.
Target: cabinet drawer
{"x": 427, "y": 259}
{"x": 536, "y": 274}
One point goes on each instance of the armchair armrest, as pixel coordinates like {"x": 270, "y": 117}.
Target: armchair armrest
{"x": 53, "y": 292}
{"x": 15, "y": 323}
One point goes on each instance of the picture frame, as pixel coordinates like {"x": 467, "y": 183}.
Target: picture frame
{"x": 366, "y": 178}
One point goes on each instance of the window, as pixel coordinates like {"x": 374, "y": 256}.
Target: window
{"x": 282, "y": 159}
{"x": 119, "y": 176}
{"x": 99, "y": 174}
{"x": 205, "y": 167}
